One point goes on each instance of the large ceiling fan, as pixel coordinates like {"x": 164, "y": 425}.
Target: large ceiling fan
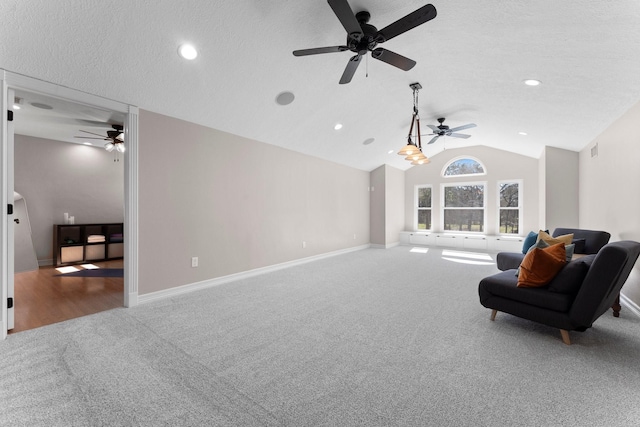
{"x": 114, "y": 137}
{"x": 363, "y": 37}
{"x": 443, "y": 130}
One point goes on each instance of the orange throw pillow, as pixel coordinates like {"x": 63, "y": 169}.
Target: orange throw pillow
{"x": 539, "y": 266}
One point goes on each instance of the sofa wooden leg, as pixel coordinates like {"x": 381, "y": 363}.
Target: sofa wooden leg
{"x": 493, "y": 314}
{"x": 565, "y": 336}
{"x": 616, "y": 307}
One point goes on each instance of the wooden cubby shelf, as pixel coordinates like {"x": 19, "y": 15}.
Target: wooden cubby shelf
{"x": 85, "y": 243}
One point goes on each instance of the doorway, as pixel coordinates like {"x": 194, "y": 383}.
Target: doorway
{"x": 11, "y": 82}
{"x": 59, "y": 178}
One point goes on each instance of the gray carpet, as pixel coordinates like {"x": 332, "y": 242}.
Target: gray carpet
{"x": 370, "y": 338}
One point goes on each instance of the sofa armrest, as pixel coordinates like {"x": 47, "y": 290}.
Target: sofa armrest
{"x": 600, "y": 288}
{"x": 508, "y": 260}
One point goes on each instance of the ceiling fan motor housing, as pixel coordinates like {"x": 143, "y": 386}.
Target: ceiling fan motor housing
{"x": 443, "y": 128}
{"x": 361, "y": 43}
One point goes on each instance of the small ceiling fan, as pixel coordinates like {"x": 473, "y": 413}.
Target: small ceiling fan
{"x": 363, "y": 37}
{"x": 114, "y": 137}
{"x": 443, "y": 130}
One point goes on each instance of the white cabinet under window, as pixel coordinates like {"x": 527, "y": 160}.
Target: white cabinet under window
{"x": 461, "y": 241}
{"x": 421, "y": 239}
{"x": 449, "y": 241}
{"x": 475, "y": 242}
{"x": 505, "y": 244}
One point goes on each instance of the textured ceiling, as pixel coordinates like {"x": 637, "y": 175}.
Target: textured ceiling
{"x": 471, "y": 61}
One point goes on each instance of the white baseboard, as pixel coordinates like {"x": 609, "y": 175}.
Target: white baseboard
{"x": 632, "y": 306}
{"x": 179, "y": 290}
{"x": 387, "y": 246}
{"x": 131, "y": 300}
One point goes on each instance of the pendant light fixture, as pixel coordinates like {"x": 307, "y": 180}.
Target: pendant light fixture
{"x": 413, "y": 150}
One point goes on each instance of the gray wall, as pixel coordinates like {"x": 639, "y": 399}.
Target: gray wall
{"x": 500, "y": 165}
{"x": 237, "y": 204}
{"x": 394, "y": 193}
{"x": 561, "y": 207}
{"x": 387, "y": 205}
{"x": 377, "y": 207}
{"x": 57, "y": 177}
{"x": 609, "y": 198}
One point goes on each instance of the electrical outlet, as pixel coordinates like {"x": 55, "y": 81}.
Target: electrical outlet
{"x": 304, "y": 244}
{"x": 354, "y": 236}
{"x": 194, "y": 261}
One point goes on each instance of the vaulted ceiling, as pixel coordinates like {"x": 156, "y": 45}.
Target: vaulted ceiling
{"x": 471, "y": 59}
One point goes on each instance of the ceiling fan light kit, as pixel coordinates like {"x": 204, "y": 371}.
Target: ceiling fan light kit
{"x": 363, "y": 37}
{"x": 114, "y": 138}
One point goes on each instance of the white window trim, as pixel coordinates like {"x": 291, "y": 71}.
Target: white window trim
{"x": 520, "y": 207}
{"x": 416, "y": 208}
{"x": 484, "y": 203}
{"x": 455, "y": 159}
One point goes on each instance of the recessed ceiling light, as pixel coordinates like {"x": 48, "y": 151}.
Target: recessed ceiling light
{"x": 368, "y": 141}
{"x": 338, "y": 126}
{"x": 522, "y": 133}
{"x": 390, "y": 151}
{"x": 16, "y": 107}
{"x": 532, "y": 82}
{"x": 187, "y": 51}
{"x": 285, "y": 98}
{"x": 87, "y": 143}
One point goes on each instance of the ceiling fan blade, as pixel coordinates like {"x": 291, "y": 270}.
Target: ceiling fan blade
{"x": 90, "y": 137}
{"x": 347, "y": 18}
{"x": 350, "y": 70}
{"x": 412, "y": 20}
{"x": 434, "y": 128}
{"x": 92, "y": 133}
{"x": 393, "y": 58}
{"x": 470, "y": 125}
{"x": 317, "y": 50}
{"x": 433, "y": 139}
{"x": 459, "y": 135}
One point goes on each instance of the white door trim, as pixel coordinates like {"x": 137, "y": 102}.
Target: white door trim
{"x": 18, "y": 81}
{"x": 4, "y": 226}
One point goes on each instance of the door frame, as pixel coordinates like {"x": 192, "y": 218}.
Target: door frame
{"x": 9, "y": 80}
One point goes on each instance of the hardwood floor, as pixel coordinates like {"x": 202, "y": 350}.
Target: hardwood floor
{"x": 42, "y": 297}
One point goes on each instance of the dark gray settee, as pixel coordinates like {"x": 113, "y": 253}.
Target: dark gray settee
{"x": 583, "y": 290}
{"x": 587, "y": 242}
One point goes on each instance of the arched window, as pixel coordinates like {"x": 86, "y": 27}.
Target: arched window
{"x": 464, "y": 166}
{"x": 463, "y": 204}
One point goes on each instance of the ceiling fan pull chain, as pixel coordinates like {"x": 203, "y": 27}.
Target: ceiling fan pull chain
{"x": 366, "y": 58}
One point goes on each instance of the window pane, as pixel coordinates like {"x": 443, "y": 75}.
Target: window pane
{"x": 464, "y": 167}
{"x": 424, "y": 197}
{"x": 509, "y": 221}
{"x": 424, "y": 219}
{"x": 464, "y": 219}
{"x": 509, "y": 195}
{"x": 464, "y": 196}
